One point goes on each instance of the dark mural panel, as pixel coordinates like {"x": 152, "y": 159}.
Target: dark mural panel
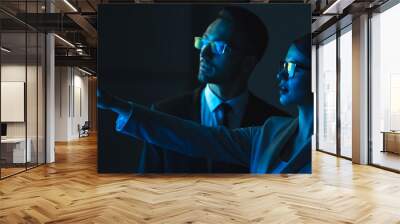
{"x": 242, "y": 71}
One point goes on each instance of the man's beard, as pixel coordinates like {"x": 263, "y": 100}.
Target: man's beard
{"x": 204, "y": 78}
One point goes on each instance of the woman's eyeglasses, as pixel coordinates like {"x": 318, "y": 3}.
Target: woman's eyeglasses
{"x": 217, "y": 47}
{"x": 290, "y": 68}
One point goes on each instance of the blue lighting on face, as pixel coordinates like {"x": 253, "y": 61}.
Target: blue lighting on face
{"x": 217, "y": 47}
{"x": 294, "y": 78}
{"x": 219, "y": 62}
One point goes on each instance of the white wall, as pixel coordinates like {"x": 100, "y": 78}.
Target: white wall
{"x": 71, "y": 102}
{"x": 16, "y": 72}
{"x": 32, "y": 127}
{"x": 61, "y": 103}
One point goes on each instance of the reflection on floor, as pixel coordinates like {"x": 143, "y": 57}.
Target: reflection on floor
{"x": 386, "y": 159}
{"x": 10, "y": 169}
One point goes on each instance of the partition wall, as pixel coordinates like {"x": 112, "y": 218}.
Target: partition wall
{"x": 22, "y": 76}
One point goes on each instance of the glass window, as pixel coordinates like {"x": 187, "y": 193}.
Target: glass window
{"x": 345, "y": 93}
{"x": 327, "y": 95}
{"x": 385, "y": 88}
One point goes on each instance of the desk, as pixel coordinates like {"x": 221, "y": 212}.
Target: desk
{"x": 13, "y": 150}
{"x": 391, "y": 141}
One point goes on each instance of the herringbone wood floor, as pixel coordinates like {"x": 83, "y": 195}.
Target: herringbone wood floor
{"x": 71, "y": 191}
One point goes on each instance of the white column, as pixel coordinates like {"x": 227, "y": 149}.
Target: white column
{"x": 50, "y": 93}
{"x": 360, "y": 90}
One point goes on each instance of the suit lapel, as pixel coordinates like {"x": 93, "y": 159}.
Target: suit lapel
{"x": 196, "y": 108}
{"x": 282, "y": 135}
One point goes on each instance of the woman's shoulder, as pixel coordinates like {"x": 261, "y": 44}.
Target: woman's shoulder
{"x": 277, "y": 124}
{"x": 272, "y": 126}
{"x": 277, "y": 121}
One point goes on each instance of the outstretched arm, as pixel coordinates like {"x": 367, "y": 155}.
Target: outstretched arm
{"x": 190, "y": 138}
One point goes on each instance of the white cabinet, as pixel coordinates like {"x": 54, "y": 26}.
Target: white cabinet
{"x": 17, "y": 146}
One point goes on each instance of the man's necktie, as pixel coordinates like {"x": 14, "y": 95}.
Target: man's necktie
{"x": 226, "y": 109}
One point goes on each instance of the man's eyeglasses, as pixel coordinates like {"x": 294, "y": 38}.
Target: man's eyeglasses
{"x": 217, "y": 47}
{"x": 290, "y": 68}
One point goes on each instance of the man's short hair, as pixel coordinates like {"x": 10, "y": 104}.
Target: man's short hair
{"x": 248, "y": 23}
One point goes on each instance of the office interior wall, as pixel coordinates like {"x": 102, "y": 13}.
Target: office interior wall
{"x": 81, "y": 89}
{"x": 61, "y": 104}
{"x": 16, "y": 72}
{"x": 13, "y": 98}
{"x": 92, "y": 99}
{"x": 71, "y": 102}
{"x": 34, "y": 106}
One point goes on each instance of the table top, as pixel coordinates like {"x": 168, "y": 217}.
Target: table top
{"x": 13, "y": 140}
{"x": 391, "y": 132}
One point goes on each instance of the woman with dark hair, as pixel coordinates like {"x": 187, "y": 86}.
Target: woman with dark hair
{"x": 280, "y": 145}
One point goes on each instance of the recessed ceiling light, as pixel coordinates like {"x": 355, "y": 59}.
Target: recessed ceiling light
{"x": 65, "y": 41}
{"x": 84, "y": 71}
{"x": 70, "y": 5}
{"x": 337, "y": 7}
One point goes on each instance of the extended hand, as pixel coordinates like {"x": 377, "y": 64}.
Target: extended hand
{"x": 104, "y": 100}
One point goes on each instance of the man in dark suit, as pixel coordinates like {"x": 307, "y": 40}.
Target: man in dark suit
{"x": 230, "y": 48}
